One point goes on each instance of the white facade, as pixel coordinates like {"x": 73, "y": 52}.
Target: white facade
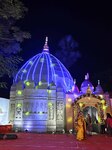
{"x": 4, "y": 111}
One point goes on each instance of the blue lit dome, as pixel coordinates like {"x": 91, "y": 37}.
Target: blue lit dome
{"x": 44, "y": 67}
{"x": 85, "y": 84}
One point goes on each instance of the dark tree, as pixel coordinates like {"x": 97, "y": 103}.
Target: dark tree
{"x": 10, "y": 36}
{"x": 68, "y": 53}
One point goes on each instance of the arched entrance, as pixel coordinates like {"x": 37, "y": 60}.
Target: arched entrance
{"x": 94, "y": 117}
{"x": 92, "y": 104}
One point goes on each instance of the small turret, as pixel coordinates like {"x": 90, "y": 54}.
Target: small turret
{"x": 99, "y": 89}
{"x": 85, "y": 84}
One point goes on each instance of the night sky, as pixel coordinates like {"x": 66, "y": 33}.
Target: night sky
{"x": 90, "y": 24}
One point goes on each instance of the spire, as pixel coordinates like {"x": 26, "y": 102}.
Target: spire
{"x": 98, "y": 82}
{"x": 99, "y": 89}
{"x": 88, "y": 91}
{"x": 87, "y": 76}
{"x": 46, "y": 47}
{"x": 74, "y": 81}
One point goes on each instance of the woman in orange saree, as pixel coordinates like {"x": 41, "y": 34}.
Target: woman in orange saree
{"x": 80, "y": 127}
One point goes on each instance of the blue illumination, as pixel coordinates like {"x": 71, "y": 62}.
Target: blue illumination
{"x": 40, "y": 74}
{"x": 30, "y": 67}
{"x": 47, "y": 70}
{"x": 45, "y": 67}
{"x": 52, "y": 69}
{"x": 33, "y": 75}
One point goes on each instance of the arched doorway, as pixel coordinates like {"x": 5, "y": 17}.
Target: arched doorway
{"x": 94, "y": 117}
{"x": 92, "y": 104}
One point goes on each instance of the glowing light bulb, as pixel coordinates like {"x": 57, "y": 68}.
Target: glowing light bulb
{"x": 19, "y": 92}
{"x": 19, "y": 105}
{"x": 80, "y": 104}
{"x": 27, "y": 83}
{"x": 49, "y": 104}
{"x": 103, "y": 101}
{"x": 27, "y": 113}
{"x": 40, "y": 83}
{"x": 69, "y": 99}
{"x": 104, "y": 107}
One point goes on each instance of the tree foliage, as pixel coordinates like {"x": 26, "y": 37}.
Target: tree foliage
{"x": 11, "y": 35}
{"x": 68, "y": 53}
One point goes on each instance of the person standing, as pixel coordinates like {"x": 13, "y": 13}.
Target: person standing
{"x": 80, "y": 127}
{"x": 102, "y": 126}
{"x": 89, "y": 124}
{"x": 109, "y": 124}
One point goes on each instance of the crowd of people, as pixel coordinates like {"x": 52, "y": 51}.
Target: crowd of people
{"x": 83, "y": 126}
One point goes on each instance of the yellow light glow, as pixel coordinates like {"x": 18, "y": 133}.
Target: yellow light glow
{"x": 40, "y": 112}
{"x": 37, "y": 87}
{"x": 104, "y": 107}
{"x": 27, "y": 113}
{"x": 19, "y": 105}
{"x": 19, "y": 92}
{"x": 80, "y": 104}
{"x": 49, "y": 104}
{"x": 68, "y": 105}
{"x": 69, "y": 119}
{"x": 40, "y": 83}
{"x": 101, "y": 96}
{"x": 69, "y": 99}
{"x": 27, "y": 83}
{"x": 99, "y": 119}
{"x": 49, "y": 91}
{"x": 103, "y": 101}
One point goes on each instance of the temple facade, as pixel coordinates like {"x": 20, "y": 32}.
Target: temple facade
{"x": 45, "y": 98}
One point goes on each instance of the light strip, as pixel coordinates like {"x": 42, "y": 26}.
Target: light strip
{"x": 66, "y": 71}
{"x": 40, "y": 74}
{"x": 17, "y": 75}
{"x": 61, "y": 70}
{"x": 31, "y": 66}
{"x": 26, "y": 68}
{"x": 63, "y": 67}
{"x": 52, "y": 69}
{"x": 47, "y": 68}
{"x": 33, "y": 74}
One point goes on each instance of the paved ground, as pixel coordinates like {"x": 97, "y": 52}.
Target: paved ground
{"x": 34, "y": 141}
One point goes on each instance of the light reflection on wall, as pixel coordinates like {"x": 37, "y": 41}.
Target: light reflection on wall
{"x": 4, "y": 111}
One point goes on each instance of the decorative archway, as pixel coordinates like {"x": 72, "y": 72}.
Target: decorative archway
{"x": 91, "y": 102}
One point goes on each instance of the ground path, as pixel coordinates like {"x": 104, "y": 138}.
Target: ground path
{"x": 34, "y": 141}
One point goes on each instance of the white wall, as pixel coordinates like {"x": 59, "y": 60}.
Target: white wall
{"x": 4, "y": 111}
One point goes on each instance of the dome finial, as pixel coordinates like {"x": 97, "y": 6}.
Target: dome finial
{"x": 74, "y": 81}
{"x": 85, "y": 77}
{"x": 88, "y": 91}
{"x": 98, "y": 82}
{"x": 46, "y": 40}
{"x": 46, "y": 47}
